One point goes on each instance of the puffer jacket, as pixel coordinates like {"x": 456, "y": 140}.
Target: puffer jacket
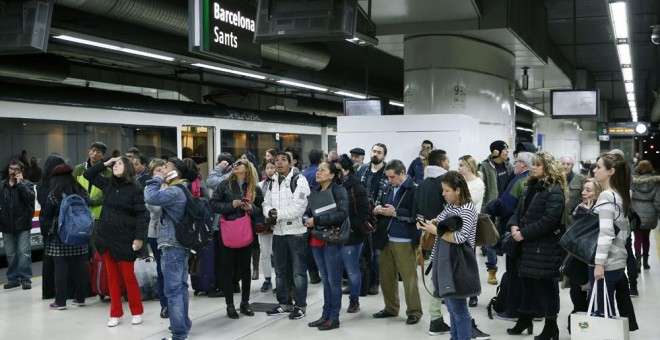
{"x": 646, "y": 199}
{"x": 539, "y": 219}
{"x": 290, "y": 206}
{"x": 221, "y": 202}
{"x": 358, "y": 208}
{"x": 123, "y": 217}
{"x": 16, "y": 206}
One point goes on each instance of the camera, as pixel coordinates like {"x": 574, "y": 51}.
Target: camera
{"x": 655, "y": 34}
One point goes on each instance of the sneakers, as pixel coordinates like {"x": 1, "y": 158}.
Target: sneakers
{"x": 473, "y": 301}
{"x": 55, "y": 306}
{"x": 137, "y": 319}
{"x": 477, "y": 334}
{"x": 79, "y": 303}
{"x": 373, "y": 290}
{"x": 296, "y": 314}
{"x": 113, "y": 322}
{"x": 266, "y": 286}
{"x": 278, "y": 311}
{"x": 26, "y": 286}
{"x": 353, "y": 307}
{"x": 314, "y": 277}
{"x": 10, "y": 285}
{"x": 438, "y": 326}
{"x": 506, "y": 317}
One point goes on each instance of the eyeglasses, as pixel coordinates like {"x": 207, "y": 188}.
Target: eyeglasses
{"x": 14, "y": 169}
{"x": 238, "y": 163}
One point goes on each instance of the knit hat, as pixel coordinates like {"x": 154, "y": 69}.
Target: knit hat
{"x": 62, "y": 169}
{"x": 498, "y": 146}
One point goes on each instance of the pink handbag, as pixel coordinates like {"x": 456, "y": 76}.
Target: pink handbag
{"x": 236, "y": 233}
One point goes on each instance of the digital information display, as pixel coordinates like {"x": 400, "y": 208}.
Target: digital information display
{"x": 367, "y": 107}
{"x": 574, "y": 104}
{"x": 224, "y": 29}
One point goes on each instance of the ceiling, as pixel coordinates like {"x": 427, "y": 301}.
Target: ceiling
{"x": 582, "y": 41}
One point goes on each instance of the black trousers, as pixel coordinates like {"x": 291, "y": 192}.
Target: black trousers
{"x": 67, "y": 268}
{"x": 234, "y": 266}
{"x": 48, "y": 274}
{"x": 542, "y": 291}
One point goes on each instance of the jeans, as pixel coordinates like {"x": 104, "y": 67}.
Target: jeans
{"x": 459, "y": 318}
{"x": 491, "y": 258}
{"x": 291, "y": 249}
{"x": 612, "y": 278}
{"x": 65, "y": 266}
{"x": 19, "y": 256}
{"x": 328, "y": 261}
{"x": 153, "y": 244}
{"x": 174, "y": 262}
{"x": 350, "y": 258}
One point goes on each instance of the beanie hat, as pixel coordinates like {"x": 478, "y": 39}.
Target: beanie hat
{"x": 498, "y": 146}
{"x": 60, "y": 170}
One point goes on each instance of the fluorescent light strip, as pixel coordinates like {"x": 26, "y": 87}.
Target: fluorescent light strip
{"x": 529, "y": 108}
{"x": 627, "y": 73}
{"x": 524, "y": 129}
{"x": 296, "y": 84}
{"x": 352, "y": 95}
{"x": 226, "y": 70}
{"x": 619, "y": 19}
{"x": 631, "y": 96}
{"x": 630, "y": 87}
{"x": 624, "y": 54}
{"x": 113, "y": 47}
{"x": 395, "y": 103}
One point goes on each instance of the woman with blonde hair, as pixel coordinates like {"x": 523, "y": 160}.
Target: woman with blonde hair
{"x": 536, "y": 226}
{"x": 467, "y": 167}
{"x": 238, "y": 199}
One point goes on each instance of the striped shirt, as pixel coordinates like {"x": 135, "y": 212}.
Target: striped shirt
{"x": 468, "y": 213}
{"x": 611, "y": 249}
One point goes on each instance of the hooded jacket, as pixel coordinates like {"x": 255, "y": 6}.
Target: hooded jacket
{"x": 290, "y": 206}
{"x": 646, "y": 199}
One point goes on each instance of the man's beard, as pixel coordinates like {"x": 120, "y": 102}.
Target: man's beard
{"x": 375, "y": 160}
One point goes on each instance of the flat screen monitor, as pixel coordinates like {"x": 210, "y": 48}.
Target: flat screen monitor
{"x": 574, "y": 104}
{"x": 363, "y": 107}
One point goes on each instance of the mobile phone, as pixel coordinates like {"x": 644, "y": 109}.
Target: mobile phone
{"x": 245, "y": 200}
{"x": 171, "y": 175}
{"x": 420, "y": 218}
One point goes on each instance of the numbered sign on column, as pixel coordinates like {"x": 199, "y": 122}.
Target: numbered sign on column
{"x": 458, "y": 98}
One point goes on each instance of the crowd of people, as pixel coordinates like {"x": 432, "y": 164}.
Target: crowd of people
{"x": 271, "y": 216}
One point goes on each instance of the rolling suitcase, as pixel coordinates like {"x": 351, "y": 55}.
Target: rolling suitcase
{"x": 100, "y": 278}
{"x": 202, "y": 269}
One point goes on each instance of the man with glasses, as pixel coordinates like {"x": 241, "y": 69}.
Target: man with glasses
{"x": 16, "y": 212}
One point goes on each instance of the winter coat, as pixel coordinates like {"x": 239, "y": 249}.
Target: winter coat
{"x": 416, "y": 171}
{"x": 16, "y": 206}
{"x": 493, "y": 182}
{"x": 539, "y": 218}
{"x": 429, "y": 201}
{"x": 646, "y": 199}
{"x": 334, "y": 217}
{"x": 358, "y": 208}
{"x": 404, "y": 220}
{"x": 123, "y": 217}
{"x": 574, "y": 197}
{"x": 221, "y": 202}
{"x": 290, "y": 206}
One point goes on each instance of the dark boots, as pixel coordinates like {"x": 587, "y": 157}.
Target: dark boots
{"x": 524, "y": 323}
{"x": 550, "y": 330}
{"x": 645, "y": 262}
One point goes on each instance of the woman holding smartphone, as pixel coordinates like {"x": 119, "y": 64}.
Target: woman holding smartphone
{"x": 238, "y": 199}
{"x": 121, "y": 232}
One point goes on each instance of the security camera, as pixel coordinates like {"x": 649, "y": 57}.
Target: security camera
{"x": 655, "y": 34}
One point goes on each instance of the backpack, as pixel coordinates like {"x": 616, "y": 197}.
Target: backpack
{"x": 195, "y": 229}
{"x": 75, "y": 222}
{"x": 497, "y": 303}
{"x": 292, "y": 186}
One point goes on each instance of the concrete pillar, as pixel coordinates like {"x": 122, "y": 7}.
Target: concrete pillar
{"x": 448, "y": 74}
{"x": 560, "y": 137}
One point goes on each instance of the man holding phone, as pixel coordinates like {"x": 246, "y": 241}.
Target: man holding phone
{"x": 16, "y": 212}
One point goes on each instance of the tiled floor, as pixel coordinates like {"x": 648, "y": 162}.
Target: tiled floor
{"x": 23, "y": 315}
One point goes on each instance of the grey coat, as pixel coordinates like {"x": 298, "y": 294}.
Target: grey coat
{"x": 646, "y": 199}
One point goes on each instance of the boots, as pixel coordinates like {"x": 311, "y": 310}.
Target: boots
{"x": 639, "y": 263}
{"x": 550, "y": 330}
{"x": 492, "y": 277}
{"x": 524, "y": 323}
{"x": 256, "y": 254}
{"x": 645, "y": 261}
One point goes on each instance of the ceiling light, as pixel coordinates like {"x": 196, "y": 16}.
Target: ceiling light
{"x": 524, "y": 129}
{"x": 619, "y": 19}
{"x": 226, "y": 70}
{"x": 529, "y": 108}
{"x": 113, "y": 47}
{"x": 296, "y": 84}
{"x": 630, "y": 87}
{"x": 352, "y": 95}
{"x": 395, "y": 103}
{"x": 624, "y": 54}
{"x": 627, "y": 73}
{"x": 631, "y": 97}
{"x": 631, "y": 103}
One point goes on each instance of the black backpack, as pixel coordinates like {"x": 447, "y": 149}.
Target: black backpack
{"x": 498, "y": 302}
{"x": 195, "y": 230}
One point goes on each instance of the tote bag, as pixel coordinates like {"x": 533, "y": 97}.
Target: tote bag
{"x": 581, "y": 239}
{"x": 487, "y": 234}
{"x": 587, "y": 327}
{"x": 236, "y": 233}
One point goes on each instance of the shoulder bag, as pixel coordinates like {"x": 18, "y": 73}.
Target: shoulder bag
{"x": 487, "y": 234}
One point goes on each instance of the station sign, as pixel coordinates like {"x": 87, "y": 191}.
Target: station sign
{"x": 224, "y": 29}
{"x": 621, "y": 129}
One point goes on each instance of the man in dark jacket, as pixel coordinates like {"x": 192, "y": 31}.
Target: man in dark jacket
{"x": 141, "y": 169}
{"x": 17, "y": 209}
{"x": 416, "y": 168}
{"x": 397, "y": 238}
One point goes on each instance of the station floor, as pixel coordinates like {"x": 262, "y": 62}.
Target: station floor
{"x": 24, "y": 315}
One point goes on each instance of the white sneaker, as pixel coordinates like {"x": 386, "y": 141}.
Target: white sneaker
{"x": 137, "y": 319}
{"x": 113, "y": 322}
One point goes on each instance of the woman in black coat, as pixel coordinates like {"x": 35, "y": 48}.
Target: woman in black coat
{"x": 358, "y": 211}
{"x": 536, "y": 225}
{"x": 120, "y": 232}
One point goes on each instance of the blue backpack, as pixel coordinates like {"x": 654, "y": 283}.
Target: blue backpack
{"x": 76, "y": 222}
{"x": 195, "y": 230}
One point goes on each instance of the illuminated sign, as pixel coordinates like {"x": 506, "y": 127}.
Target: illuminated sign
{"x": 224, "y": 29}
{"x": 622, "y": 129}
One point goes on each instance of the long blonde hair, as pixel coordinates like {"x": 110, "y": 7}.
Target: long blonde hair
{"x": 552, "y": 169}
{"x": 251, "y": 179}
{"x": 469, "y": 161}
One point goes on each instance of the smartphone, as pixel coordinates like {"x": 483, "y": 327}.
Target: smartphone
{"x": 171, "y": 175}
{"x": 420, "y": 218}
{"x": 245, "y": 200}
